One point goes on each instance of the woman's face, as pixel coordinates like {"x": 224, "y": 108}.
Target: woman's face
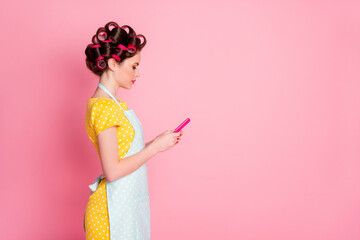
{"x": 128, "y": 71}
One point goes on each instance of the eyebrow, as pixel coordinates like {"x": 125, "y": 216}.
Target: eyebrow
{"x": 137, "y": 63}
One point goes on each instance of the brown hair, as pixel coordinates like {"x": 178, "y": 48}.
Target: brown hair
{"x": 106, "y": 42}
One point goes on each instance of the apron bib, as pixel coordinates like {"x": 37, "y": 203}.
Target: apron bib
{"x": 128, "y": 197}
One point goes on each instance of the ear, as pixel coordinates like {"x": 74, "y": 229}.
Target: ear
{"x": 112, "y": 64}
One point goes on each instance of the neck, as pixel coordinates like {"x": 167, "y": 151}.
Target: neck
{"x": 109, "y": 85}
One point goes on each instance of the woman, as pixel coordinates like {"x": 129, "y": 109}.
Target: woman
{"x": 119, "y": 205}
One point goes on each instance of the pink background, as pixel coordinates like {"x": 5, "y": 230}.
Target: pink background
{"x": 272, "y": 90}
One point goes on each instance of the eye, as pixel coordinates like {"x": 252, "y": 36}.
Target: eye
{"x": 134, "y": 68}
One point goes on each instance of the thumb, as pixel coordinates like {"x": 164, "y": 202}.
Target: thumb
{"x": 169, "y": 131}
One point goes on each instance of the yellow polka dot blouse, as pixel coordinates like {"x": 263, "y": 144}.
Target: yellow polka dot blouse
{"x": 101, "y": 114}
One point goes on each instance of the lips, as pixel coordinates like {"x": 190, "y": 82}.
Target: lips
{"x": 133, "y": 81}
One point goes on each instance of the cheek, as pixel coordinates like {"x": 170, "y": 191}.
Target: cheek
{"x": 130, "y": 72}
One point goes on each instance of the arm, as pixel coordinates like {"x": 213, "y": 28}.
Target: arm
{"x": 146, "y": 144}
{"x": 113, "y": 167}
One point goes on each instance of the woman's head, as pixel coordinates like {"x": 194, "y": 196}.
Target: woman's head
{"x": 113, "y": 43}
{"x": 124, "y": 73}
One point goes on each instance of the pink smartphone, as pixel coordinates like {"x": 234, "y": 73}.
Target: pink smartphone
{"x": 183, "y": 124}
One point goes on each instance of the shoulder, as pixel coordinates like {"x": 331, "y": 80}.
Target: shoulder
{"x": 105, "y": 104}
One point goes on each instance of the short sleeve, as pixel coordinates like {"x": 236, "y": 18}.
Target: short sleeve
{"x": 105, "y": 114}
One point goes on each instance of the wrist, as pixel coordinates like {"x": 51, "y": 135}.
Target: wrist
{"x": 148, "y": 143}
{"x": 151, "y": 149}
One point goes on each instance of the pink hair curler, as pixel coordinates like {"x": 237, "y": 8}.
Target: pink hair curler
{"x": 113, "y": 25}
{"x": 100, "y": 63}
{"x": 96, "y": 46}
{"x": 183, "y": 124}
{"x": 131, "y": 48}
{"x": 134, "y": 36}
{"x": 125, "y": 27}
{"x": 116, "y": 57}
{"x": 122, "y": 47}
{"x": 95, "y": 40}
{"x": 102, "y": 35}
{"x": 91, "y": 65}
{"x": 139, "y": 36}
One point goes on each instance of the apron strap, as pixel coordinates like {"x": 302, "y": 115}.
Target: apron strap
{"x": 108, "y": 92}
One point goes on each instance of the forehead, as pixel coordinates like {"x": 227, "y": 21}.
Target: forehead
{"x": 134, "y": 59}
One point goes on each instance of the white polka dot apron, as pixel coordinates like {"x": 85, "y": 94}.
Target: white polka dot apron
{"x": 128, "y": 197}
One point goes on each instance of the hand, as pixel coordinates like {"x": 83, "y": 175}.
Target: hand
{"x": 166, "y": 140}
{"x": 179, "y": 137}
